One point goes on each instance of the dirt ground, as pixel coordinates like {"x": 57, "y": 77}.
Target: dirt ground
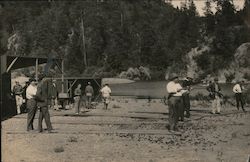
{"x": 130, "y": 130}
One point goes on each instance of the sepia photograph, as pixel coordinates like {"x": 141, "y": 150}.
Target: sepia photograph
{"x": 125, "y": 80}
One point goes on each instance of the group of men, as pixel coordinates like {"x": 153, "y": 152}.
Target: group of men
{"x": 89, "y": 94}
{"x": 179, "y": 101}
{"x": 19, "y": 93}
{"x": 37, "y": 97}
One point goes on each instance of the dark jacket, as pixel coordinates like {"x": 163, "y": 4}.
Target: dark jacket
{"x": 53, "y": 92}
{"x": 212, "y": 91}
{"x": 89, "y": 89}
{"x": 42, "y": 94}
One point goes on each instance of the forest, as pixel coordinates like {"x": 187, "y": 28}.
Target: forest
{"x": 102, "y": 38}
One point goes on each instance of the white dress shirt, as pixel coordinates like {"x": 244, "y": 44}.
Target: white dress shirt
{"x": 31, "y": 91}
{"x": 175, "y": 88}
{"x": 106, "y": 91}
{"x": 237, "y": 88}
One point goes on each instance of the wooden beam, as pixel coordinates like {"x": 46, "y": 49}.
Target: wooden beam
{"x": 110, "y": 131}
{"x": 12, "y": 63}
{"x": 37, "y": 69}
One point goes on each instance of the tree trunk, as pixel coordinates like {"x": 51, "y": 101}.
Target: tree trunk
{"x": 83, "y": 41}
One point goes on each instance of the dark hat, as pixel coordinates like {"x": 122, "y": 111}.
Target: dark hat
{"x": 173, "y": 76}
{"x": 41, "y": 76}
{"x": 32, "y": 80}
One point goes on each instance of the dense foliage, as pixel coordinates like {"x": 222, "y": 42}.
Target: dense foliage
{"x": 105, "y": 37}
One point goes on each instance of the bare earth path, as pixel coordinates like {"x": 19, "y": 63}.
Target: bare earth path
{"x": 131, "y": 130}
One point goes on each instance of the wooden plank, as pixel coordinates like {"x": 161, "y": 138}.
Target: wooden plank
{"x": 144, "y": 132}
{"x": 107, "y": 123}
{"x": 139, "y": 116}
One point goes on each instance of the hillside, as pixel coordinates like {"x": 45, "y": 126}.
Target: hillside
{"x": 109, "y": 38}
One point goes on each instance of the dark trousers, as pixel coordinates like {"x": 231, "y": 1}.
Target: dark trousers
{"x": 174, "y": 104}
{"x": 44, "y": 113}
{"x": 88, "y": 101}
{"x": 186, "y": 104}
{"x": 31, "y": 109}
{"x": 239, "y": 100}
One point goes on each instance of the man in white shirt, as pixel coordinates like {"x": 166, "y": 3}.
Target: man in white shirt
{"x": 31, "y": 104}
{"x": 238, "y": 89}
{"x": 175, "y": 102}
{"x": 106, "y": 91}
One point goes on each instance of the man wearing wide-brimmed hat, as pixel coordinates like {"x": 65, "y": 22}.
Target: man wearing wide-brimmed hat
{"x": 187, "y": 82}
{"x": 54, "y": 95}
{"x": 238, "y": 90}
{"x": 175, "y": 102}
{"x": 215, "y": 94}
{"x": 17, "y": 91}
{"x": 42, "y": 97}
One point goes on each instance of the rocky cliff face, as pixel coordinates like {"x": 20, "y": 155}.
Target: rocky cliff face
{"x": 239, "y": 69}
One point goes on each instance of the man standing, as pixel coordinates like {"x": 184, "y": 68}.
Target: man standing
{"x": 17, "y": 91}
{"x": 175, "y": 102}
{"x": 186, "y": 99}
{"x": 238, "y": 89}
{"x": 31, "y": 104}
{"x": 42, "y": 103}
{"x": 215, "y": 93}
{"x": 54, "y": 96}
{"x": 24, "y": 96}
{"x": 106, "y": 91}
{"x": 77, "y": 98}
{"x": 89, "y": 92}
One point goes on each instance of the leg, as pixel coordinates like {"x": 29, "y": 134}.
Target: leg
{"x": 105, "y": 102}
{"x": 89, "y": 101}
{"x": 56, "y": 104}
{"x": 40, "y": 120}
{"x": 218, "y": 105}
{"x": 76, "y": 104}
{"x": 31, "y": 104}
{"x": 47, "y": 118}
{"x": 171, "y": 114}
{"x": 18, "y": 104}
{"x": 177, "y": 109}
{"x": 181, "y": 109}
{"x": 187, "y": 106}
{"x": 237, "y": 100}
{"x": 52, "y": 103}
{"x": 241, "y": 100}
{"x": 213, "y": 106}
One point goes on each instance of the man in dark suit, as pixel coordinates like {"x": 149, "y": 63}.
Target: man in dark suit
{"x": 215, "y": 94}
{"x": 186, "y": 84}
{"x": 42, "y": 97}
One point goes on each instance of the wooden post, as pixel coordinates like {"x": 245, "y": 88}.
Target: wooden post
{"x": 62, "y": 76}
{"x": 83, "y": 41}
{"x": 36, "y": 69}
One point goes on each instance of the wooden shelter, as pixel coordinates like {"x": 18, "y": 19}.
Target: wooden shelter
{"x": 8, "y": 63}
